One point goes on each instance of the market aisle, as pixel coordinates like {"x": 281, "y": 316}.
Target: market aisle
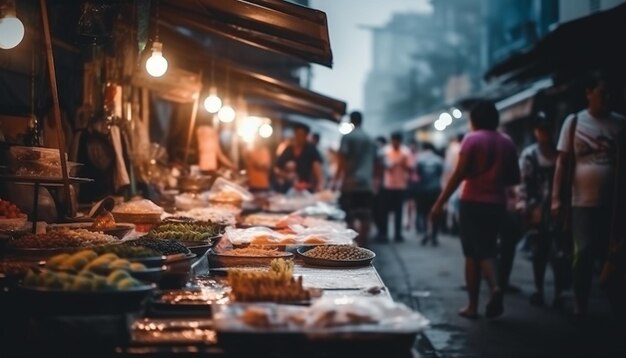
{"x": 431, "y": 278}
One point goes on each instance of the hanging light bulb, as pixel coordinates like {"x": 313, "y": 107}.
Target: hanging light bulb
{"x": 11, "y": 28}
{"x": 345, "y": 128}
{"x": 156, "y": 64}
{"x": 248, "y": 128}
{"x": 213, "y": 102}
{"x": 266, "y": 130}
{"x": 226, "y": 114}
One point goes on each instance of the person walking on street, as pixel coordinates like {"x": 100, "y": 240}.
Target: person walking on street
{"x": 590, "y": 137}
{"x": 429, "y": 168}
{"x": 396, "y": 163}
{"x": 537, "y": 163}
{"x": 355, "y": 172}
{"x": 487, "y": 165}
{"x": 378, "y": 207}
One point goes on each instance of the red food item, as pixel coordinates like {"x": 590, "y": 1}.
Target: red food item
{"x": 9, "y": 210}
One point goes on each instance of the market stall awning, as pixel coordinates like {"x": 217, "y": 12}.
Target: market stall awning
{"x": 273, "y": 25}
{"x": 233, "y": 79}
{"x": 588, "y": 43}
{"x": 276, "y": 94}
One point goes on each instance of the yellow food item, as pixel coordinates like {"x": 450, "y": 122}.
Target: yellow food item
{"x": 136, "y": 266}
{"x": 86, "y": 254}
{"x": 116, "y": 276}
{"x": 56, "y": 261}
{"x": 126, "y": 283}
{"x": 119, "y": 264}
{"x": 74, "y": 264}
{"x": 101, "y": 262}
{"x": 81, "y": 284}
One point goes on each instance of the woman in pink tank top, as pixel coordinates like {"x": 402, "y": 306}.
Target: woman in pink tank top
{"x": 487, "y": 166}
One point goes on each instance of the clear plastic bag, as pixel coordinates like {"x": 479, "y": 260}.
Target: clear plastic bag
{"x": 225, "y": 190}
{"x": 333, "y": 235}
{"x": 325, "y": 315}
{"x": 254, "y": 235}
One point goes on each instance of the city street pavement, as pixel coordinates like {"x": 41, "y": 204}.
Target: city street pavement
{"x": 430, "y": 280}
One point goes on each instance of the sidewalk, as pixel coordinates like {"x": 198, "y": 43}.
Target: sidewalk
{"x": 430, "y": 279}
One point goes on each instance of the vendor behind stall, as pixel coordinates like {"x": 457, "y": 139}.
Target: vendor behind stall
{"x": 300, "y": 164}
{"x": 210, "y": 154}
{"x": 258, "y": 161}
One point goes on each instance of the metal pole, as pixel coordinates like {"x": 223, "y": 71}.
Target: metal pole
{"x": 55, "y": 102}
{"x": 192, "y": 122}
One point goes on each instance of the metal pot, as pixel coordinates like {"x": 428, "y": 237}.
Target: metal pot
{"x": 195, "y": 184}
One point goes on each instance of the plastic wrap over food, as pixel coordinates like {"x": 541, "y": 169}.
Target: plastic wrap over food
{"x": 255, "y": 235}
{"x": 338, "y": 235}
{"x": 142, "y": 206}
{"x": 225, "y": 190}
{"x": 289, "y": 203}
{"x": 363, "y": 311}
{"x": 187, "y": 201}
{"x": 263, "y": 236}
{"x": 322, "y": 210}
{"x": 354, "y": 314}
{"x": 222, "y": 214}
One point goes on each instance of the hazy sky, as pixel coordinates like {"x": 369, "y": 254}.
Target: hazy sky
{"x": 351, "y": 44}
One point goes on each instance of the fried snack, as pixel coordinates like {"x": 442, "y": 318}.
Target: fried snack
{"x": 104, "y": 221}
{"x": 264, "y": 240}
{"x": 276, "y": 285}
{"x": 256, "y": 317}
{"x": 288, "y": 241}
{"x": 315, "y": 240}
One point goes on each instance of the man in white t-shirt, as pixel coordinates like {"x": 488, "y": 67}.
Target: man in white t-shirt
{"x": 397, "y": 163}
{"x": 595, "y": 149}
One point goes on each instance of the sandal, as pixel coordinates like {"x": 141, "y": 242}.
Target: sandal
{"x": 495, "y": 307}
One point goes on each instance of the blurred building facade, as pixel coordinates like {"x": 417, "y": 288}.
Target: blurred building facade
{"x": 420, "y": 61}
{"x": 457, "y": 44}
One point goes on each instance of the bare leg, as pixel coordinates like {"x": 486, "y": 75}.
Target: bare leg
{"x": 494, "y": 306}
{"x": 488, "y": 269}
{"x": 472, "y": 281}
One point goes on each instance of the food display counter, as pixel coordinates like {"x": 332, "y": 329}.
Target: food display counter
{"x": 204, "y": 282}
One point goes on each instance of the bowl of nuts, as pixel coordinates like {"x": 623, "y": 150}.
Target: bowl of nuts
{"x": 336, "y": 255}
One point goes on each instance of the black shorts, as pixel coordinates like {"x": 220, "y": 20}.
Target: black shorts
{"x": 356, "y": 203}
{"x": 480, "y": 226}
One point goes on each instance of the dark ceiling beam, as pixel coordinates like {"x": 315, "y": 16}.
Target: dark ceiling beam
{"x": 272, "y": 25}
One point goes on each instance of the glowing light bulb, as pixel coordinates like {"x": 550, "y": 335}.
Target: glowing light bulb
{"x": 440, "y": 125}
{"x": 266, "y": 130}
{"x": 445, "y": 118}
{"x": 456, "y": 113}
{"x": 156, "y": 64}
{"x": 212, "y": 103}
{"x": 226, "y": 114}
{"x": 248, "y": 128}
{"x": 345, "y": 128}
{"x": 11, "y": 32}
